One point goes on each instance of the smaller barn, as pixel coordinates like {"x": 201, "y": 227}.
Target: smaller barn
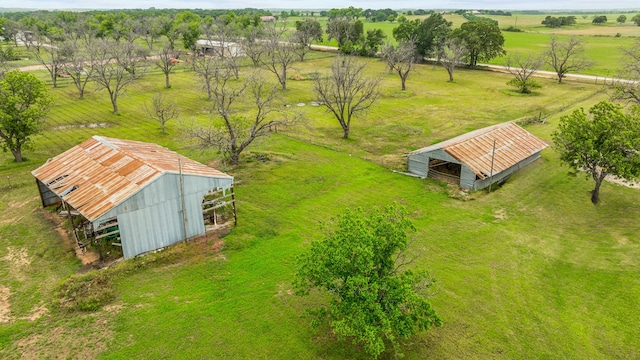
{"x": 138, "y": 196}
{"x": 479, "y": 158}
{"x": 220, "y": 49}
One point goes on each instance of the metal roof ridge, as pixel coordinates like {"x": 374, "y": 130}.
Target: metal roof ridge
{"x": 104, "y": 141}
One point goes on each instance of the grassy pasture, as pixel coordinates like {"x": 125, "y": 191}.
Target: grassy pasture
{"x": 531, "y": 270}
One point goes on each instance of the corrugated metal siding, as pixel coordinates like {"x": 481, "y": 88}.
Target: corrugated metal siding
{"x": 419, "y": 163}
{"x": 467, "y": 178}
{"x": 47, "y": 196}
{"x": 152, "y": 218}
{"x": 475, "y": 149}
{"x": 483, "y": 183}
{"x": 106, "y": 171}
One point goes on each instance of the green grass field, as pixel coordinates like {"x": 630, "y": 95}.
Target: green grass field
{"x": 531, "y": 270}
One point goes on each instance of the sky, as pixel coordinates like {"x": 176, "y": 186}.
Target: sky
{"x": 325, "y": 4}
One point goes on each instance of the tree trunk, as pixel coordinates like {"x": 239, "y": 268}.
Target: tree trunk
{"x": 114, "y": 102}
{"x": 560, "y": 78}
{"x": 450, "y": 75}
{"x": 17, "y": 155}
{"x": 595, "y": 193}
{"x": 346, "y": 132}
{"x": 235, "y": 158}
{"x": 167, "y": 84}
{"x": 403, "y": 83}
{"x": 54, "y": 78}
{"x": 284, "y": 79}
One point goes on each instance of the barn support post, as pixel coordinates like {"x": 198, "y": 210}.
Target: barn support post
{"x": 493, "y": 156}
{"x": 73, "y": 228}
{"x": 233, "y": 203}
{"x": 184, "y": 215}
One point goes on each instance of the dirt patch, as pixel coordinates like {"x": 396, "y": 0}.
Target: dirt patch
{"x": 87, "y": 257}
{"x": 85, "y": 342}
{"x": 17, "y": 257}
{"x": 5, "y": 306}
{"x": 634, "y": 184}
{"x": 500, "y": 214}
{"x": 10, "y": 221}
{"x": 37, "y": 313}
{"x": 113, "y": 308}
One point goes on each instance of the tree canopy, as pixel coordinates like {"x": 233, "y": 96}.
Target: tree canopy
{"x": 358, "y": 264}
{"x": 24, "y": 102}
{"x": 483, "y": 40}
{"x": 426, "y": 34}
{"x": 603, "y": 142}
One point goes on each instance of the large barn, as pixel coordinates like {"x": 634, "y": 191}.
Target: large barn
{"x": 479, "y": 158}
{"x": 140, "y": 195}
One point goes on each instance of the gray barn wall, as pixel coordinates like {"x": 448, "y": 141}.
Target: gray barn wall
{"x": 47, "y": 196}
{"x": 467, "y": 178}
{"x": 152, "y": 218}
{"x": 483, "y": 183}
{"x": 419, "y": 163}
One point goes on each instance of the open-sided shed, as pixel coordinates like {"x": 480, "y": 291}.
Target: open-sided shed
{"x": 141, "y": 195}
{"x": 479, "y": 158}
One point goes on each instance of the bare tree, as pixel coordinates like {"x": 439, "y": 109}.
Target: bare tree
{"x": 45, "y": 46}
{"x": 400, "y": 59}
{"x": 252, "y": 46}
{"x": 523, "y": 69}
{"x": 150, "y": 29}
{"x": 280, "y": 53}
{"x": 162, "y": 110}
{"x": 346, "y": 92}
{"x": 166, "y": 61}
{"x": 236, "y": 132}
{"x": 451, "y": 55}
{"x": 78, "y": 63}
{"x": 115, "y": 66}
{"x": 206, "y": 68}
{"x": 628, "y": 89}
{"x": 565, "y": 56}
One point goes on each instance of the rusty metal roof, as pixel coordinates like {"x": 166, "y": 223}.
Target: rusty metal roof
{"x": 98, "y": 174}
{"x": 475, "y": 149}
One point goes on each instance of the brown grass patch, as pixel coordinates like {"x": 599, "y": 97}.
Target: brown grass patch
{"x": 5, "y": 306}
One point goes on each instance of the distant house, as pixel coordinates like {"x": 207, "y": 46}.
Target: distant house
{"x": 268, "y": 18}
{"x": 139, "y": 195}
{"x": 470, "y": 161}
{"x": 218, "y": 48}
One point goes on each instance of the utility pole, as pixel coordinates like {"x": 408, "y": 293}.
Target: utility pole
{"x": 493, "y": 155}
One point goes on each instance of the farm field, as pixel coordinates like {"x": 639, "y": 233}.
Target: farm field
{"x": 601, "y": 44}
{"x": 531, "y": 270}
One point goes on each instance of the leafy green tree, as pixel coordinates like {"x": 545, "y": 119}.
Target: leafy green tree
{"x": 483, "y": 40}
{"x": 621, "y": 19}
{"x": 188, "y": 24}
{"x": 599, "y": 19}
{"x": 372, "y": 301}
{"x": 346, "y": 32}
{"x": 428, "y": 34}
{"x": 372, "y": 42}
{"x": 636, "y": 19}
{"x": 604, "y": 142}
{"x": 24, "y": 102}
{"x": 307, "y": 31}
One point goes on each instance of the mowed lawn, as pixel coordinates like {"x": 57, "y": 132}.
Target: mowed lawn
{"x": 531, "y": 270}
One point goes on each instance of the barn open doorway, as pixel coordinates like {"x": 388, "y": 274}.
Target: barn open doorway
{"x": 219, "y": 209}
{"x": 446, "y": 171}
